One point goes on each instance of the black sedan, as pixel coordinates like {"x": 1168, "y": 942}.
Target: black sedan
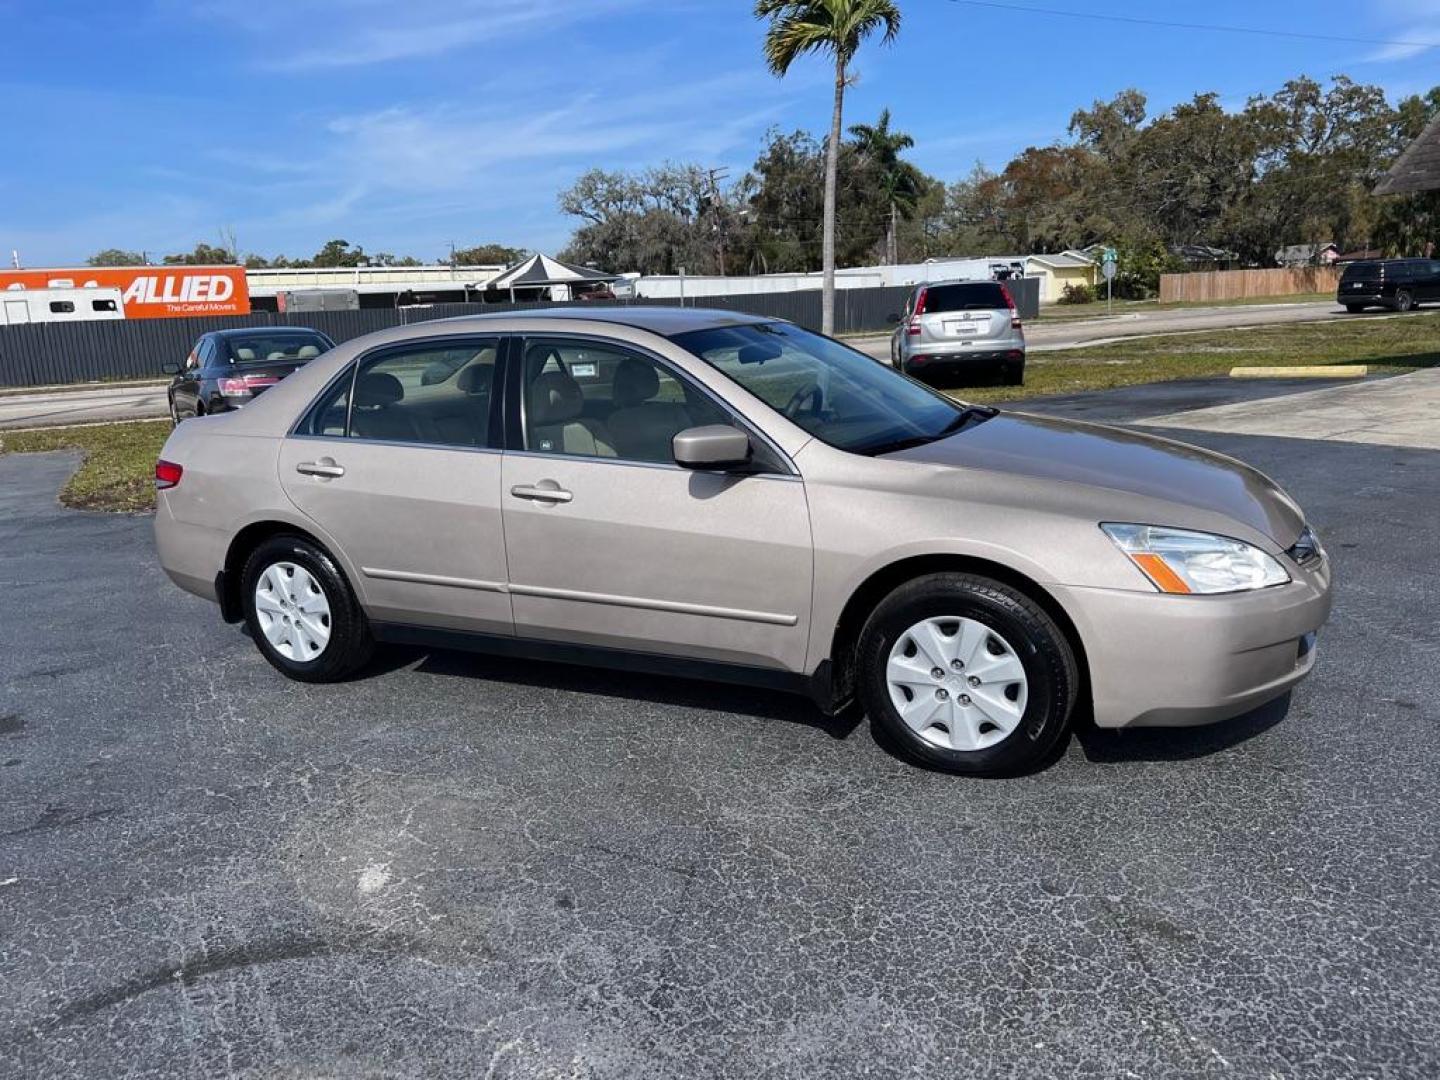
{"x": 227, "y": 368}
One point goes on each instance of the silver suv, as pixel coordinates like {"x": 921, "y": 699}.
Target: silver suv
{"x": 953, "y": 331}
{"x": 719, "y": 495}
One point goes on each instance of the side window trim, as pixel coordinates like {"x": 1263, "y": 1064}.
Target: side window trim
{"x": 515, "y": 401}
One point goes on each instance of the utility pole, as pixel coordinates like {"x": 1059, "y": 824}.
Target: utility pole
{"x": 716, "y": 175}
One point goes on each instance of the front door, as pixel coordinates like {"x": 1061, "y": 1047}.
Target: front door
{"x": 395, "y": 463}
{"x": 611, "y": 543}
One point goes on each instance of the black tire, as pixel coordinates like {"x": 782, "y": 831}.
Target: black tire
{"x": 1354, "y": 309}
{"x": 174, "y": 412}
{"x": 1013, "y": 374}
{"x": 1051, "y": 673}
{"x": 1404, "y": 300}
{"x": 350, "y": 643}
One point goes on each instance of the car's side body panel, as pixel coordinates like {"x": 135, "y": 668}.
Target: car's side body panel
{"x": 659, "y": 558}
{"x": 420, "y": 525}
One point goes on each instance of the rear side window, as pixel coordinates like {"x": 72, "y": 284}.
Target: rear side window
{"x": 62, "y": 307}
{"x": 1363, "y": 271}
{"x": 972, "y": 296}
{"x": 438, "y": 395}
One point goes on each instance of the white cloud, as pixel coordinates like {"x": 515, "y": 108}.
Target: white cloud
{"x": 1414, "y": 23}
{"x": 325, "y": 34}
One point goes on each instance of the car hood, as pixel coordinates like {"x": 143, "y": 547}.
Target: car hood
{"x": 1104, "y": 457}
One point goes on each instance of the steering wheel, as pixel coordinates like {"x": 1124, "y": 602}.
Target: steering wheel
{"x": 810, "y": 392}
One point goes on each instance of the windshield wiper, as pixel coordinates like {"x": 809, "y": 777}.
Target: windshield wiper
{"x": 967, "y": 415}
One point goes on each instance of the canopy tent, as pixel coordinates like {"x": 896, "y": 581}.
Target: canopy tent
{"x": 1418, "y": 168}
{"x": 541, "y": 271}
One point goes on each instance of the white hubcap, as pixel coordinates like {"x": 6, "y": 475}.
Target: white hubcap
{"x": 956, "y": 683}
{"x": 292, "y": 610}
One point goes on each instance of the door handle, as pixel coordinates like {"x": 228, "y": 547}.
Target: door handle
{"x": 324, "y": 468}
{"x": 552, "y": 493}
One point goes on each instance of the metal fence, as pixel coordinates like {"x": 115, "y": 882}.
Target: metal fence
{"x": 43, "y": 354}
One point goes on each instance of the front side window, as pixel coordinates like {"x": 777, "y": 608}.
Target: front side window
{"x": 601, "y": 400}
{"x": 840, "y": 396}
{"x": 62, "y": 307}
{"x": 433, "y": 394}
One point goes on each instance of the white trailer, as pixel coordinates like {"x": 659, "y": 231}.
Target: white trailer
{"x": 18, "y": 306}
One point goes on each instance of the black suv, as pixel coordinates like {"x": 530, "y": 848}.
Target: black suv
{"x": 1398, "y": 284}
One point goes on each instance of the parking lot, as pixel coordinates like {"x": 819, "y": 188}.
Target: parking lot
{"x": 467, "y": 866}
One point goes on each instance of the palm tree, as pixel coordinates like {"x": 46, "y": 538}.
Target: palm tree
{"x": 825, "y": 26}
{"x": 901, "y": 183}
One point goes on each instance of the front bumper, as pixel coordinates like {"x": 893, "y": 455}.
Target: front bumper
{"x": 1175, "y": 661}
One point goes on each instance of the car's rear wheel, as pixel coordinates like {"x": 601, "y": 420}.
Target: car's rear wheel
{"x": 1354, "y": 309}
{"x": 302, "y": 612}
{"x": 1404, "y": 300}
{"x": 1013, "y": 374}
{"x": 966, "y": 674}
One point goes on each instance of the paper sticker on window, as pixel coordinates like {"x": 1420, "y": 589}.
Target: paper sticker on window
{"x": 582, "y": 371}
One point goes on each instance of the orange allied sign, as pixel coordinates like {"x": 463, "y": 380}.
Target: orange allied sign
{"x": 150, "y": 292}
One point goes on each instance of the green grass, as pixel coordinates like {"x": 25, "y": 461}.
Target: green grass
{"x": 1392, "y": 344}
{"x": 118, "y": 473}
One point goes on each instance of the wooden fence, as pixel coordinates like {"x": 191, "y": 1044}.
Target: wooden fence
{"x": 1244, "y": 284}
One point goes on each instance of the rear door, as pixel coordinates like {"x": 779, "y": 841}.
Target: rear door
{"x": 611, "y": 543}
{"x": 972, "y": 312}
{"x": 17, "y": 312}
{"x": 403, "y": 474}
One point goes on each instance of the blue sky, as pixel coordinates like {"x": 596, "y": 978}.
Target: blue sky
{"x": 404, "y": 125}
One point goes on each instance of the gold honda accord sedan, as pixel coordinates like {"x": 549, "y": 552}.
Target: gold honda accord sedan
{"x": 733, "y": 497}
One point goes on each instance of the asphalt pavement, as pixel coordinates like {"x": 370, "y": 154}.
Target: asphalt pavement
{"x": 460, "y": 866}
{"x": 56, "y": 406}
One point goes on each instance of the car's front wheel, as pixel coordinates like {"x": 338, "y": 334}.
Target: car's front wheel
{"x": 966, "y": 674}
{"x": 302, "y": 612}
{"x": 1354, "y": 309}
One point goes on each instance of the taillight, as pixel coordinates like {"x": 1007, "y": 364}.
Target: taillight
{"x": 914, "y": 328}
{"x": 167, "y": 474}
{"x": 1015, "y": 323}
{"x": 246, "y": 385}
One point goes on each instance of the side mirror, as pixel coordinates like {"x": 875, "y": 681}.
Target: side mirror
{"x": 170, "y": 369}
{"x": 892, "y": 318}
{"x": 714, "y": 446}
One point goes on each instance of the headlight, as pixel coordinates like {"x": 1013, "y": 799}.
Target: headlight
{"x": 1180, "y": 561}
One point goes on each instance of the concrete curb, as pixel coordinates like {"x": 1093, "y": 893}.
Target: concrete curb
{"x": 1318, "y": 371}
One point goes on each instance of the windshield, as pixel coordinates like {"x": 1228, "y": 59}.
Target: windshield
{"x": 979, "y": 296}
{"x": 254, "y": 348}
{"x": 840, "y": 396}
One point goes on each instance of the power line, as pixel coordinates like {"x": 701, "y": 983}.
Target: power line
{"x": 1134, "y": 20}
